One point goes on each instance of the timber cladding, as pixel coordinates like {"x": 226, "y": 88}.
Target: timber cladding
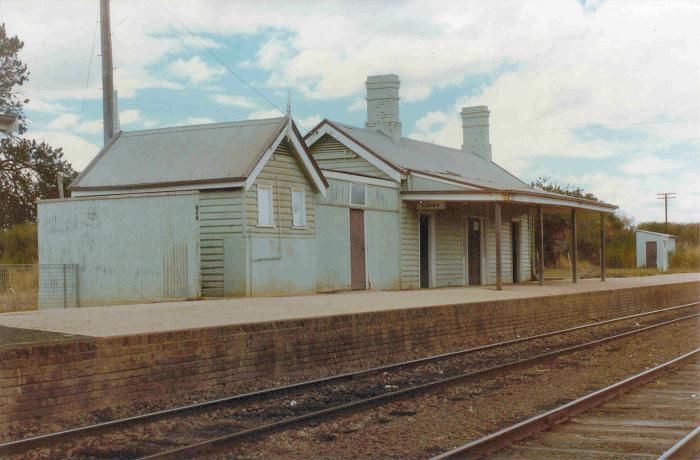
{"x": 56, "y": 380}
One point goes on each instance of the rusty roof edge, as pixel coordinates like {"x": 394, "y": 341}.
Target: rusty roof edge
{"x": 268, "y": 144}
{"x": 160, "y": 184}
{"x": 395, "y": 167}
{"x": 307, "y": 152}
{"x": 515, "y": 192}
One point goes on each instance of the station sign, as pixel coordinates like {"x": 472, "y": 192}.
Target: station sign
{"x": 431, "y": 206}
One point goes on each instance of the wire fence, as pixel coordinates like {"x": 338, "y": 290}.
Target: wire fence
{"x": 28, "y": 286}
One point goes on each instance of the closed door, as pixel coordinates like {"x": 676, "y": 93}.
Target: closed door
{"x": 651, "y": 254}
{"x": 515, "y": 249}
{"x": 424, "y": 248}
{"x": 474, "y": 250}
{"x": 357, "y": 249}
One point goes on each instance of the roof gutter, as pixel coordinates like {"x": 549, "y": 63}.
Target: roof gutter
{"x": 514, "y": 196}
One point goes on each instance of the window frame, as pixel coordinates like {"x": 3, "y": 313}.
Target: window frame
{"x": 364, "y": 199}
{"x": 303, "y": 207}
{"x": 271, "y": 213}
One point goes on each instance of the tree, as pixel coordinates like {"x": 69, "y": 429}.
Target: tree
{"x": 619, "y": 247}
{"x": 13, "y": 73}
{"x": 29, "y": 170}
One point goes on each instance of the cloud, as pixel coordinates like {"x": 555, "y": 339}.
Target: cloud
{"x": 76, "y": 150}
{"x": 38, "y": 105}
{"x": 262, "y": 114}
{"x": 196, "y": 121}
{"x": 195, "y": 70}
{"x": 648, "y": 165}
{"x": 357, "y": 105}
{"x": 67, "y": 120}
{"x": 547, "y": 70}
{"x": 234, "y": 101}
{"x": 127, "y": 117}
{"x": 309, "y": 122}
{"x": 636, "y": 196}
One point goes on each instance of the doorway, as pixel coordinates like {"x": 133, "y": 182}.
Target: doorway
{"x": 474, "y": 251}
{"x": 424, "y": 249}
{"x": 357, "y": 250}
{"x": 651, "y": 254}
{"x": 515, "y": 249}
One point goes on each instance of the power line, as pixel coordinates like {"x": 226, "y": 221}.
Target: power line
{"x": 226, "y": 66}
{"x": 87, "y": 78}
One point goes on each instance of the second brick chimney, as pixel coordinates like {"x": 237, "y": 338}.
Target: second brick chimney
{"x": 475, "y": 131}
{"x": 383, "y": 104}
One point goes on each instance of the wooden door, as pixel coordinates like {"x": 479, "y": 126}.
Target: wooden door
{"x": 424, "y": 249}
{"x": 474, "y": 250}
{"x": 515, "y": 249}
{"x": 357, "y": 249}
{"x": 651, "y": 254}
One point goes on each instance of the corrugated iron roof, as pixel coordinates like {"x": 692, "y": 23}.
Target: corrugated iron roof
{"x": 185, "y": 154}
{"x": 409, "y": 155}
{"x": 447, "y": 162}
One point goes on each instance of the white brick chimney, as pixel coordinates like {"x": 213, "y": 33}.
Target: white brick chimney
{"x": 383, "y": 104}
{"x": 475, "y": 129}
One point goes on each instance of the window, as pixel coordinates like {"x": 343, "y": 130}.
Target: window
{"x": 358, "y": 194}
{"x": 265, "y": 216}
{"x": 298, "y": 209}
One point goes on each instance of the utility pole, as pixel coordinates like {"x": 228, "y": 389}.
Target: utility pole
{"x": 665, "y": 196}
{"x": 107, "y": 76}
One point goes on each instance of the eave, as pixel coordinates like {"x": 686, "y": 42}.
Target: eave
{"x": 513, "y": 196}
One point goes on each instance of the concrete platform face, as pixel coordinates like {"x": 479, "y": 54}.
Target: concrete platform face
{"x": 144, "y": 318}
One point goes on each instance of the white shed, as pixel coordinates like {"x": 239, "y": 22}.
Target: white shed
{"x": 653, "y": 249}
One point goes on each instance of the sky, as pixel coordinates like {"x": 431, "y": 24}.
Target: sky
{"x": 604, "y": 95}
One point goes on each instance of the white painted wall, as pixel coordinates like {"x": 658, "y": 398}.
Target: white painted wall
{"x": 665, "y": 244}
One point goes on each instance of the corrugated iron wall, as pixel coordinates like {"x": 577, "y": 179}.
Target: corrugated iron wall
{"x": 128, "y": 248}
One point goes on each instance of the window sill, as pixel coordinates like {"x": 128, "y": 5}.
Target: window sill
{"x": 265, "y": 226}
{"x": 300, "y": 227}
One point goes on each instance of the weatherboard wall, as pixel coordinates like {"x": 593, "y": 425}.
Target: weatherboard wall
{"x": 333, "y": 155}
{"x": 220, "y": 218}
{"x": 277, "y": 259}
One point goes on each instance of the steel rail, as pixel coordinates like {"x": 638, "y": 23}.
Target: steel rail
{"x": 688, "y": 447}
{"x": 59, "y": 436}
{"x": 202, "y": 447}
{"x": 507, "y": 436}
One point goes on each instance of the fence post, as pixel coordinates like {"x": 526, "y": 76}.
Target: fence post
{"x": 77, "y": 286}
{"x": 65, "y": 288}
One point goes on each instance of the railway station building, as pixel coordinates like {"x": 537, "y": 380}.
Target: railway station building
{"x": 253, "y": 208}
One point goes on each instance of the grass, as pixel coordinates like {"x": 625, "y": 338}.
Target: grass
{"x": 587, "y": 270}
{"x": 19, "y": 288}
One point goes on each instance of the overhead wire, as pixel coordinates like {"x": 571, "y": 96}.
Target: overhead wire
{"x": 220, "y": 61}
{"x": 89, "y": 70}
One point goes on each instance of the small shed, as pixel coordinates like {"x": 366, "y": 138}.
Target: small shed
{"x": 653, "y": 249}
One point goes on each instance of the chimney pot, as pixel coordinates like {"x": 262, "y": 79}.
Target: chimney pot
{"x": 475, "y": 130}
{"x": 383, "y": 104}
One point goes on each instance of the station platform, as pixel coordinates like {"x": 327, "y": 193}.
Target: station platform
{"x": 119, "y": 320}
{"x": 56, "y": 364}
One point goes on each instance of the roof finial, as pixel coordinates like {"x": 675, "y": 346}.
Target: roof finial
{"x": 289, "y": 103}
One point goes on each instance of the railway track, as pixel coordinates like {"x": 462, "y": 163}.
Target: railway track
{"x": 653, "y": 414}
{"x": 226, "y": 420}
